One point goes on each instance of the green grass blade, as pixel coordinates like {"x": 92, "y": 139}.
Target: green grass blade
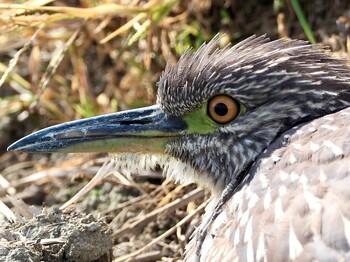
{"x": 302, "y": 20}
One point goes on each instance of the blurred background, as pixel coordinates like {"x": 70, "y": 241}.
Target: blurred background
{"x": 66, "y": 60}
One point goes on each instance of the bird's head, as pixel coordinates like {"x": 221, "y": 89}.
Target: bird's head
{"x": 217, "y": 110}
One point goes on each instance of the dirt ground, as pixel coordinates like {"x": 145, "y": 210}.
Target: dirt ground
{"x": 59, "y": 65}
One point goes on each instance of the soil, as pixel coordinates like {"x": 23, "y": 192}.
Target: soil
{"x": 56, "y": 236}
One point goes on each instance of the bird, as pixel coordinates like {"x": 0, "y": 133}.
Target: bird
{"x": 264, "y": 124}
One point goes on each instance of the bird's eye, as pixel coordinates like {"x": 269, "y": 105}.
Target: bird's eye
{"x": 223, "y": 109}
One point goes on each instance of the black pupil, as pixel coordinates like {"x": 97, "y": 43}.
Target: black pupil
{"x": 221, "y": 109}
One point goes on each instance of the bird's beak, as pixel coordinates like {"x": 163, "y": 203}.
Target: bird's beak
{"x": 141, "y": 130}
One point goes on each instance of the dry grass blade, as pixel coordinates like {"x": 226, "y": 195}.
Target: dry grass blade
{"x": 51, "y": 241}
{"x": 55, "y": 61}
{"x": 92, "y": 12}
{"x": 23, "y": 85}
{"x": 149, "y": 256}
{"x": 7, "y": 212}
{"x": 123, "y": 205}
{"x": 6, "y": 185}
{"x": 124, "y": 28}
{"x": 17, "y": 56}
{"x": 16, "y": 167}
{"x": 144, "y": 220}
{"x": 131, "y": 257}
{"x": 22, "y": 208}
{"x": 127, "y": 26}
{"x": 54, "y": 172}
{"x": 103, "y": 172}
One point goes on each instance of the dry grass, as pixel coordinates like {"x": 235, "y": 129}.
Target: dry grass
{"x": 62, "y": 61}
